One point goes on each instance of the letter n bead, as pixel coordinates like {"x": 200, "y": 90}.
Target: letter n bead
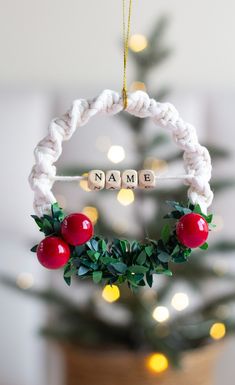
{"x": 96, "y": 180}
{"x": 146, "y": 179}
{"x": 129, "y": 179}
{"x": 113, "y": 180}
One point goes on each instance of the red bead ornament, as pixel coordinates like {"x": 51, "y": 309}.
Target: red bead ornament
{"x": 53, "y": 252}
{"x": 76, "y": 229}
{"x": 192, "y": 230}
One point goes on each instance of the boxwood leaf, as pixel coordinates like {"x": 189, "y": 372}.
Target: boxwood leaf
{"x": 83, "y": 270}
{"x": 165, "y": 233}
{"x": 34, "y": 249}
{"x": 141, "y": 258}
{"x": 120, "y": 267}
{"x": 204, "y": 246}
{"x": 163, "y": 256}
{"x": 97, "y": 276}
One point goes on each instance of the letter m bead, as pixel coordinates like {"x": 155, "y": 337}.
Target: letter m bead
{"x": 130, "y": 179}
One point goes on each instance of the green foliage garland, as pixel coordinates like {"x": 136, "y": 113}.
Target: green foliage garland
{"x": 120, "y": 260}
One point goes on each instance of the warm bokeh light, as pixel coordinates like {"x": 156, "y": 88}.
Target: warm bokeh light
{"x": 138, "y": 42}
{"x": 92, "y": 213}
{"x": 116, "y": 154}
{"x": 25, "y": 281}
{"x": 218, "y": 331}
{"x": 180, "y": 301}
{"x": 125, "y": 197}
{"x": 137, "y": 86}
{"x": 161, "y": 313}
{"x": 157, "y": 363}
{"x": 103, "y": 143}
{"x": 155, "y": 164}
{"x": 111, "y": 293}
{"x": 84, "y": 183}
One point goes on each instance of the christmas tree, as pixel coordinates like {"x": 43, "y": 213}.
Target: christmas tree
{"x": 142, "y": 321}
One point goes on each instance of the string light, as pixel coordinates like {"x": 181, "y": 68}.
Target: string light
{"x": 116, "y": 154}
{"x": 157, "y": 363}
{"x": 92, "y": 213}
{"x": 217, "y": 331}
{"x": 180, "y": 301}
{"x": 137, "y": 86}
{"x": 125, "y": 197}
{"x": 111, "y": 293}
{"x": 25, "y": 281}
{"x": 84, "y": 184}
{"x": 138, "y": 42}
{"x": 161, "y": 314}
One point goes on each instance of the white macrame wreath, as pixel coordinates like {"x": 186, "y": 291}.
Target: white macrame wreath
{"x": 197, "y": 161}
{"x": 120, "y": 261}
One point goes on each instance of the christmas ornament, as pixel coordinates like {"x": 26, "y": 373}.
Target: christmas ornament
{"x": 192, "y": 230}
{"x": 118, "y": 261}
{"x": 53, "y": 252}
{"x": 76, "y": 229}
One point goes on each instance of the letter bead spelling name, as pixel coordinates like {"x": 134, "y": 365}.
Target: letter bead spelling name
{"x": 146, "y": 179}
{"x": 113, "y": 180}
{"x": 130, "y": 179}
{"x": 96, "y": 180}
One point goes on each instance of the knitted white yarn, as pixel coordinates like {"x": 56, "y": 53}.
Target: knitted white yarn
{"x": 197, "y": 161}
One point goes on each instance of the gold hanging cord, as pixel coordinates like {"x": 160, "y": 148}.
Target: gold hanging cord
{"x": 126, "y": 36}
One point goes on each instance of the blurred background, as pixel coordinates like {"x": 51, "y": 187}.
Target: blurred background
{"x": 181, "y": 330}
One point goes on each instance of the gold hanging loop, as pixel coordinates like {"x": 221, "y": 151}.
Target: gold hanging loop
{"x": 126, "y": 36}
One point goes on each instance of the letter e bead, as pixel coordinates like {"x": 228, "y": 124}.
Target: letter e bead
{"x": 113, "y": 180}
{"x": 129, "y": 179}
{"x": 96, "y": 180}
{"x": 146, "y": 179}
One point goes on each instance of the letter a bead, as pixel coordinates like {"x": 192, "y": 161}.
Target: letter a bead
{"x": 113, "y": 180}
{"x": 129, "y": 179}
{"x": 146, "y": 179}
{"x": 96, "y": 180}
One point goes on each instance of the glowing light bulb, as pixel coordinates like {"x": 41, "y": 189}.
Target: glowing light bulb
{"x": 218, "y": 331}
{"x": 111, "y": 293}
{"x": 84, "y": 184}
{"x": 125, "y": 197}
{"x": 161, "y": 313}
{"x": 92, "y": 213}
{"x": 180, "y": 301}
{"x": 157, "y": 363}
{"x": 25, "y": 281}
{"x": 116, "y": 154}
{"x": 138, "y": 42}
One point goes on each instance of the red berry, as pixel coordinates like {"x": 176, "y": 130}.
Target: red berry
{"x": 77, "y": 229}
{"x": 192, "y": 230}
{"x": 53, "y": 252}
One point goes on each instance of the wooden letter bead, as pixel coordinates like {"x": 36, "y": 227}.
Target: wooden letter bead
{"x": 146, "y": 179}
{"x": 96, "y": 180}
{"x": 129, "y": 179}
{"x": 113, "y": 180}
